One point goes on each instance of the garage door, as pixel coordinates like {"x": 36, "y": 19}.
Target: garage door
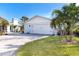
{"x": 41, "y": 29}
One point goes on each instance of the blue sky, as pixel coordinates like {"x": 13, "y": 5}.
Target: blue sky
{"x": 10, "y": 10}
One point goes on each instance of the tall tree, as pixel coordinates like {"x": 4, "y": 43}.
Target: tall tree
{"x": 24, "y": 19}
{"x": 3, "y": 23}
{"x": 67, "y": 17}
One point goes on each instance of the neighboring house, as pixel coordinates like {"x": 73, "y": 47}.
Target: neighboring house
{"x": 39, "y": 25}
{"x": 14, "y": 25}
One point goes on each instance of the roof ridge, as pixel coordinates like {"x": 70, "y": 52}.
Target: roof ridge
{"x": 39, "y": 16}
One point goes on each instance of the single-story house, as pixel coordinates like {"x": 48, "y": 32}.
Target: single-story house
{"x": 39, "y": 25}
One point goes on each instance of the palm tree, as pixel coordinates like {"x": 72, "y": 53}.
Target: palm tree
{"x": 71, "y": 12}
{"x": 3, "y": 23}
{"x": 24, "y": 19}
{"x": 56, "y": 22}
{"x": 67, "y": 17}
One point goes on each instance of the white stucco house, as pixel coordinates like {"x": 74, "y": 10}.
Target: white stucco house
{"x": 13, "y": 26}
{"x": 39, "y": 25}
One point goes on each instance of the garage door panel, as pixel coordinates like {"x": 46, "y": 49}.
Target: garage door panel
{"x": 41, "y": 29}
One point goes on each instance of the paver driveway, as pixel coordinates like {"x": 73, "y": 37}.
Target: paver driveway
{"x": 11, "y": 42}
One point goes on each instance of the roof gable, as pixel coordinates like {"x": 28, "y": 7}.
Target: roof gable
{"x": 39, "y": 19}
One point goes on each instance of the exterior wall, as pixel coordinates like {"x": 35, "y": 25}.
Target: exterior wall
{"x": 8, "y": 29}
{"x": 15, "y": 21}
{"x": 26, "y": 28}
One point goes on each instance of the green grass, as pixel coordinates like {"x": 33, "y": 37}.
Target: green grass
{"x": 50, "y": 46}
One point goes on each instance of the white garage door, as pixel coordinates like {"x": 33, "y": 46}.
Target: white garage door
{"x": 41, "y": 29}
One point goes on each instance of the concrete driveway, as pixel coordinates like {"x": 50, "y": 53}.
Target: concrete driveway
{"x": 11, "y": 42}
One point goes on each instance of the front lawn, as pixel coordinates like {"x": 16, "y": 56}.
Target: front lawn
{"x": 50, "y": 46}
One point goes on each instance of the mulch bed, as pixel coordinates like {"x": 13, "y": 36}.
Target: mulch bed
{"x": 70, "y": 41}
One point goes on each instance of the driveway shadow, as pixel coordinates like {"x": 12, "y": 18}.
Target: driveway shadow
{"x": 8, "y": 53}
{"x": 9, "y": 46}
{"x": 25, "y": 34}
